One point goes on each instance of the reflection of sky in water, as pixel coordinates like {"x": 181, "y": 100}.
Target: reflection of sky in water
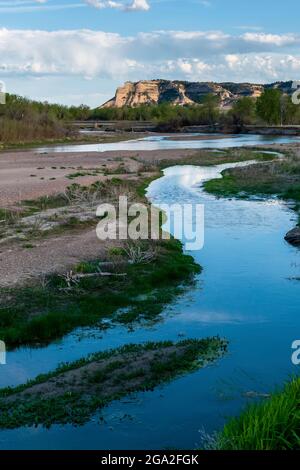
{"x": 163, "y": 143}
{"x": 244, "y": 293}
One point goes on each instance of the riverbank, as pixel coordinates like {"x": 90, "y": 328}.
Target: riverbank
{"x": 80, "y": 138}
{"x": 125, "y": 283}
{"x": 133, "y": 290}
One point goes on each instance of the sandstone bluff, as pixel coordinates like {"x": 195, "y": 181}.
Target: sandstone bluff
{"x": 186, "y": 93}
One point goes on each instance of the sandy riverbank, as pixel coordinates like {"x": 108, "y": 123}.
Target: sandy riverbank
{"x": 30, "y": 175}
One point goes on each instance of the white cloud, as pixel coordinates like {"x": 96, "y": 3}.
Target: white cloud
{"x": 29, "y": 6}
{"x": 198, "y": 55}
{"x": 272, "y": 39}
{"x": 142, "y": 5}
{"x": 23, "y": 6}
{"x": 130, "y": 5}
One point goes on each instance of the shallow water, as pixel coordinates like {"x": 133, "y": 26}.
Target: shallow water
{"x": 244, "y": 294}
{"x": 161, "y": 142}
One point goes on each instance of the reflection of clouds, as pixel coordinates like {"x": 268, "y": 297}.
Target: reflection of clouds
{"x": 14, "y": 373}
{"x": 157, "y": 143}
{"x": 212, "y": 318}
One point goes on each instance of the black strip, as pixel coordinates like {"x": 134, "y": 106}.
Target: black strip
{"x": 136, "y": 459}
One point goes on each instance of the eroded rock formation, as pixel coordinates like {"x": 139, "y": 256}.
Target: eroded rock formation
{"x": 184, "y": 93}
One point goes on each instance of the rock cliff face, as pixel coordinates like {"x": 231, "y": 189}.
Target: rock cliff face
{"x": 184, "y": 93}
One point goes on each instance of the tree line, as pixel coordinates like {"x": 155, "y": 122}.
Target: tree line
{"x": 24, "y": 120}
{"x": 271, "y": 108}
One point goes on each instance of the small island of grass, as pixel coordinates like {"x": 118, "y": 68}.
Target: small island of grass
{"x": 74, "y": 392}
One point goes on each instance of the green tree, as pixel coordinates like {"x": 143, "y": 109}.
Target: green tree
{"x": 269, "y": 106}
{"x": 211, "y": 108}
{"x": 243, "y": 112}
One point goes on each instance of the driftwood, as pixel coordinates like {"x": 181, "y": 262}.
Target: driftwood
{"x": 81, "y": 276}
{"x": 73, "y": 279}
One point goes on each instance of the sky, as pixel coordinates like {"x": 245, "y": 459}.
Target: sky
{"x": 80, "y": 51}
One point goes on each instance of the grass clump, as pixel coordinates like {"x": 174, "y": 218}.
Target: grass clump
{"x": 75, "y": 391}
{"x": 46, "y": 202}
{"x": 271, "y": 425}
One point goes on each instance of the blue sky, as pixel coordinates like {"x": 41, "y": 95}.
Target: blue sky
{"x": 75, "y": 51}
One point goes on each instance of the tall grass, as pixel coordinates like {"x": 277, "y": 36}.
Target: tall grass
{"x": 270, "y": 425}
{"x": 13, "y": 131}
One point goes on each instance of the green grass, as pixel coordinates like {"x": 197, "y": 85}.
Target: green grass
{"x": 5, "y": 214}
{"x": 73, "y": 399}
{"x": 87, "y": 172}
{"x": 36, "y": 314}
{"x": 276, "y": 178}
{"x": 271, "y": 425}
{"x": 231, "y": 186}
{"x": 43, "y": 203}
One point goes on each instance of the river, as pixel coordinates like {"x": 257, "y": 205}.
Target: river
{"x": 161, "y": 142}
{"x": 245, "y": 293}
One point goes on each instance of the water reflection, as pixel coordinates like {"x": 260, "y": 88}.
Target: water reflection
{"x": 164, "y": 143}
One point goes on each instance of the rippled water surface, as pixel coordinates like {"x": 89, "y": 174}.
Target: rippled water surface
{"x": 245, "y": 293}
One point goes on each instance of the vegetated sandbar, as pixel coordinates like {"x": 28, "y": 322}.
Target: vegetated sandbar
{"x": 75, "y": 391}
{"x": 132, "y": 292}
